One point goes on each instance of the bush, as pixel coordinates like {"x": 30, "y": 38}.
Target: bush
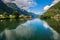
{"x": 15, "y": 13}
{"x": 5, "y": 15}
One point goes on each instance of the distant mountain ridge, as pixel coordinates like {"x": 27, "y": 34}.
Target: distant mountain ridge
{"x": 10, "y": 7}
{"x": 21, "y": 11}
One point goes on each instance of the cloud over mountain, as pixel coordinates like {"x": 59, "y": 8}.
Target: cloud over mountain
{"x": 24, "y": 4}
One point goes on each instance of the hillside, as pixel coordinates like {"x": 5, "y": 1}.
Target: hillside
{"x": 12, "y": 7}
{"x": 54, "y": 10}
{"x": 21, "y": 11}
{"x": 5, "y": 8}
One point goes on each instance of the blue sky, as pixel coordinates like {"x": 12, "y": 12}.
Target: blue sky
{"x": 40, "y": 5}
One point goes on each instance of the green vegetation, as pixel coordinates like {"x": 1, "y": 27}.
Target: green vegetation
{"x": 14, "y": 15}
{"x": 54, "y": 10}
{"x": 4, "y": 15}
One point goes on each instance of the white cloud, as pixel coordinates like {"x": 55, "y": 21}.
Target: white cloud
{"x": 46, "y": 7}
{"x": 23, "y": 4}
{"x": 53, "y": 3}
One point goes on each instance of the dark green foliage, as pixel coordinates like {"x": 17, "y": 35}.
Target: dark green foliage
{"x": 45, "y": 17}
{"x": 15, "y": 13}
{"x": 5, "y": 15}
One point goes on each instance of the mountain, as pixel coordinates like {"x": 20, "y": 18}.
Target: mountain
{"x": 5, "y": 8}
{"x": 11, "y": 7}
{"x": 21, "y": 11}
{"x": 53, "y": 11}
{"x": 15, "y": 7}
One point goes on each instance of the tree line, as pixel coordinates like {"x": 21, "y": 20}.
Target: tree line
{"x": 6, "y": 15}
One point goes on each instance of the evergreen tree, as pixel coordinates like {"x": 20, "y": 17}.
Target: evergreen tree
{"x": 5, "y": 14}
{"x": 15, "y": 13}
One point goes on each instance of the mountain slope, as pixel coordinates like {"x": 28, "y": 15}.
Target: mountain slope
{"x": 21, "y": 11}
{"x": 54, "y": 10}
{"x": 11, "y": 7}
{"x": 5, "y": 8}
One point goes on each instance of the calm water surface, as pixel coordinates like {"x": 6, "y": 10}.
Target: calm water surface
{"x": 34, "y": 29}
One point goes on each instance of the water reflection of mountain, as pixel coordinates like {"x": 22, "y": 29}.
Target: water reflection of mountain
{"x": 35, "y": 29}
{"x": 54, "y": 23}
{"x": 10, "y": 24}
